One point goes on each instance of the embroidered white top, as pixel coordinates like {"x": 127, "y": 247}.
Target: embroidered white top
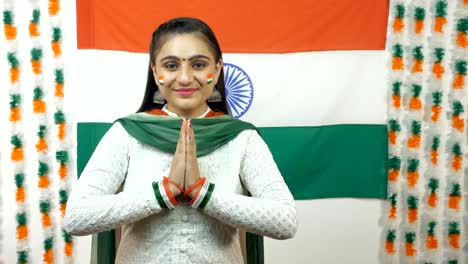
{"x": 151, "y": 234}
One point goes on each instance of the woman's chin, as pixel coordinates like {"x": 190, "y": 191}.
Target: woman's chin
{"x": 188, "y": 105}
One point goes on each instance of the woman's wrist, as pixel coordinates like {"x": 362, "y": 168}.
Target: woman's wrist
{"x": 174, "y": 190}
{"x": 193, "y": 187}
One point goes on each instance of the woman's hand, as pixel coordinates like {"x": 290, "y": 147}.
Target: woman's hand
{"x": 178, "y": 167}
{"x": 192, "y": 172}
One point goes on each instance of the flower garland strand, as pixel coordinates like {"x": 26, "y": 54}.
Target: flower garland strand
{"x": 456, "y": 138}
{"x": 42, "y": 146}
{"x": 17, "y": 153}
{"x": 417, "y": 88}
{"x": 432, "y": 242}
{"x": 437, "y": 45}
{"x": 63, "y": 135}
{"x": 397, "y": 29}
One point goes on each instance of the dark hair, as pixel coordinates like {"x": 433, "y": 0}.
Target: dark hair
{"x": 182, "y": 25}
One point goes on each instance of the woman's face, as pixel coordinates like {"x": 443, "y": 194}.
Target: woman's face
{"x": 185, "y": 71}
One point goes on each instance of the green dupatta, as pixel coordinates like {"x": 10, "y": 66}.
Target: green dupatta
{"x": 162, "y": 132}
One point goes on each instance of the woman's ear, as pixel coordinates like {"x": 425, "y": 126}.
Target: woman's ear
{"x": 218, "y": 68}
{"x": 153, "y": 68}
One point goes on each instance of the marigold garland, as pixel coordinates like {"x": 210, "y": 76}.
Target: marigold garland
{"x": 435, "y": 150}
{"x": 17, "y": 153}
{"x": 397, "y": 28}
{"x": 431, "y": 126}
{"x": 418, "y": 60}
{"x": 460, "y": 74}
{"x": 397, "y": 60}
{"x": 432, "y": 242}
{"x": 390, "y": 242}
{"x": 415, "y": 102}
{"x": 419, "y": 15}
{"x": 414, "y": 140}
{"x": 454, "y": 235}
{"x": 454, "y": 197}
{"x": 398, "y": 22}
{"x": 40, "y": 111}
{"x": 392, "y": 211}
{"x": 456, "y": 138}
{"x": 440, "y": 16}
{"x": 457, "y": 157}
{"x": 413, "y": 209}
{"x": 458, "y": 122}
{"x": 437, "y": 68}
{"x": 433, "y": 198}
{"x": 394, "y": 164}
{"x": 410, "y": 249}
{"x": 396, "y": 95}
{"x": 436, "y": 108}
{"x": 60, "y": 119}
{"x": 394, "y": 127}
{"x": 462, "y": 33}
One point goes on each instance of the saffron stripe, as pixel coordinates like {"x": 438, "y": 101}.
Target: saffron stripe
{"x": 317, "y": 25}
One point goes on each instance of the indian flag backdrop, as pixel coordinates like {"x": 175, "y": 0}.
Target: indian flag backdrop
{"x": 310, "y": 74}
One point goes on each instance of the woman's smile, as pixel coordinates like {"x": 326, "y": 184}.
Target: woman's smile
{"x": 186, "y": 92}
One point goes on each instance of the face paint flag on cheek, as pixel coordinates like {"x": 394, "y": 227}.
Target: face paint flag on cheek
{"x": 161, "y": 79}
{"x": 210, "y": 78}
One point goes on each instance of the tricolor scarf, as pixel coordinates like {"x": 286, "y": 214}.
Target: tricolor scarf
{"x": 157, "y": 129}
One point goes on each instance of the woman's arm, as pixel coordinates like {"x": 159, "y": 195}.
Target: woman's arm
{"x": 93, "y": 205}
{"x": 271, "y": 210}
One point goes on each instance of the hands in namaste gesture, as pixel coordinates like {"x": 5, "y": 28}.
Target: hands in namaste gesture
{"x": 184, "y": 169}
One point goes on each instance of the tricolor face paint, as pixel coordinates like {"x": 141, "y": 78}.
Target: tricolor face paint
{"x": 209, "y": 78}
{"x": 161, "y": 79}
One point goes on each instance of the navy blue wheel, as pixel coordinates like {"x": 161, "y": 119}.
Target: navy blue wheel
{"x": 239, "y": 89}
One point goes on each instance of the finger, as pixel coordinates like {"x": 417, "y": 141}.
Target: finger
{"x": 179, "y": 139}
{"x": 182, "y": 138}
{"x": 194, "y": 142}
{"x": 191, "y": 145}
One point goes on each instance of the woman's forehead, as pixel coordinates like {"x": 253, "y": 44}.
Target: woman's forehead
{"x": 185, "y": 45}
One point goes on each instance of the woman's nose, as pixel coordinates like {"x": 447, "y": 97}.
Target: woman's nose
{"x": 185, "y": 75}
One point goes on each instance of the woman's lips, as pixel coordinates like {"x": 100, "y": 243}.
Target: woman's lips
{"x": 186, "y": 91}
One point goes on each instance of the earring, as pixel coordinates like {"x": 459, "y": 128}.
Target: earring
{"x": 215, "y": 96}
{"x": 157, "y": 98}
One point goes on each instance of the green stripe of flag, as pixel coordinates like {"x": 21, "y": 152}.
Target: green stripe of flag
{"x": 331, "y": 161}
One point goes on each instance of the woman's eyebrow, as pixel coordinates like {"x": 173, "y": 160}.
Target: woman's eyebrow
{"x": 197, "y": 56}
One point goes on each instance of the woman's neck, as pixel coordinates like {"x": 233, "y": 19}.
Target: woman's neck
{"x": 187, "y": 114}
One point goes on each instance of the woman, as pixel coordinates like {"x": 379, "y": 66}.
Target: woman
{"x": 183, "y": 131}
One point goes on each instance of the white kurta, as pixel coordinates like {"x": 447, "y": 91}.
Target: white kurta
{"x": 151, "y": 234}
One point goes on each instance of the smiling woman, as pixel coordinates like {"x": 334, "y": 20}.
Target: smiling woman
{"x": 185, "y": 52}
{"x": 185, "y": 166}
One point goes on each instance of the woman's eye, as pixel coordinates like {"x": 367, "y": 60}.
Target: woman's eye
{"x": 199, "y": 65}
{"x": 170, "y": 66}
